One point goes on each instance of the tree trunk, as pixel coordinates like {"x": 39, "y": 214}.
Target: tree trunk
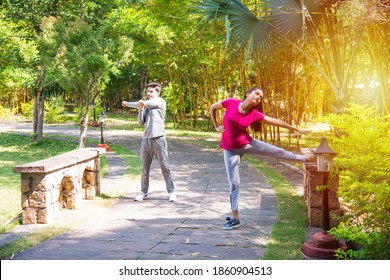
{"x": 83, "y": 133}
{"x": 39, "y": 109}
{"x": 84, "y": 118}
{"x": 84, "y": 128}
{"x": 41, "y": 113}
{"x": 35, "y": 114}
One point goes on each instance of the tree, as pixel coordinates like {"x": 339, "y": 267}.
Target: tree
{"x": 81, "y": 60}
{"x": 16, "y": 57}
{"x": 27, "y": 16}
{"x": 292, "y": 22}
{"x": 372, "y": 18}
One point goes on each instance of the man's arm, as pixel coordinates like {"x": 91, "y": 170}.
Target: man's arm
{"x": 140, "y": 117}
{"x": 131, "y": 104}
{"x": 152, "y": 103}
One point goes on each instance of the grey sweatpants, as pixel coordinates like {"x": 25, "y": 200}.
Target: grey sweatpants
{"x": 233, "y": 159}
{"x": 158, "y": 147}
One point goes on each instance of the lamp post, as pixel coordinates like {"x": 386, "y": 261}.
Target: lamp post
{"x": 102, "y": 117}
{"x": 323, "y": 245}
{"x": 325, "y": 157}
{"x": 94, "y": 123}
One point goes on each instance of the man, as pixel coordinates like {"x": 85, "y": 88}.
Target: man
{"x": 152, "y": 116}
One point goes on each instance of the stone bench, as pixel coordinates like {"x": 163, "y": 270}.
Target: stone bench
{"x": 58, "y": 182}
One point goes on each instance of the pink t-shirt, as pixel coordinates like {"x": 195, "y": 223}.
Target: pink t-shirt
{"x": 236, "y": 134}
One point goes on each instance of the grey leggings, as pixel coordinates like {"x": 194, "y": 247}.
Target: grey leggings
{"x": 158, "y": 147}
{"x": 256, "y": 147}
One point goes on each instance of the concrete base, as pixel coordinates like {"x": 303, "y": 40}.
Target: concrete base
{"x": 94, "y": 124}
{"x": 321, "y": 247}
{"x": 104, "y": 146}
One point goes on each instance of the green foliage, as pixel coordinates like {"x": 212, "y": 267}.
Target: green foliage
{"x": 28, "y": 14}
{"x": 362, "y": 140}
{"x": 362, "y": 245}
{"x": 80, "y": 58}
{"x": 169, "y": 94}
{"x": 54, "y": 110}
{"x": 76, "y": 111}
{"x": 28, "y": 109}
{"x": 17, "y": 63}
{"x": 79, "y": 62}
{"x": 7, "y": 114}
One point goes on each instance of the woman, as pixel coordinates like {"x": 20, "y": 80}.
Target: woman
{"x": 236, "y": 140}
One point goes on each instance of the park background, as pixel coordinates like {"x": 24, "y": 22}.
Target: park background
{"x": 318, "y": 62}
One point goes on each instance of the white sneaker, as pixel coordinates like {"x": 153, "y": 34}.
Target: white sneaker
{"x": 141, "y": 196}
{"x": 172, "y": 197}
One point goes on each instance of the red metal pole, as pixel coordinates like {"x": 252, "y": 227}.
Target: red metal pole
{"x": 325, "y": 204}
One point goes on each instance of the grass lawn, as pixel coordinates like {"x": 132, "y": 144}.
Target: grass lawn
{"x": 14, "y": 150}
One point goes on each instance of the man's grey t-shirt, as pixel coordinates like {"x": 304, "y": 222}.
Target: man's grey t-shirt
{"x": 153, "y": 117}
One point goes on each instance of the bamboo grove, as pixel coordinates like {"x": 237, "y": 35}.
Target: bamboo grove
{"x": 342, "y": 55}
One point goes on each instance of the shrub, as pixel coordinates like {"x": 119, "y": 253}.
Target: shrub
{"x": 7, "y": 114}
{"x": 28, "y": 110}
{"x": 362, "y": 140}
{"x": 54, "y": 110}
{"x": 98, "y": 110}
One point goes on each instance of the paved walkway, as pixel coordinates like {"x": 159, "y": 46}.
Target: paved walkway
{"x": 157, "y": 229}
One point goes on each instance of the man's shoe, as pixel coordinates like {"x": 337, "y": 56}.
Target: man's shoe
{"x": 231, "y": 223}
{"x": 141, "y": 197}
{"x": 172, "y": 197}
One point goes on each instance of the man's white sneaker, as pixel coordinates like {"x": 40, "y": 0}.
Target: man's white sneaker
{"x": 141, "y": 197}
{"x": 172, "y": 197}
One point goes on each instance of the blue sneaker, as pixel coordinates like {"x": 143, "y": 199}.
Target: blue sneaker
{"x": 231, "y": 223}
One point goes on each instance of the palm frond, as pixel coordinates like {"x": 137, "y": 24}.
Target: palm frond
{"x": 293, "y": 17}
{"x": 209, "y": 9}
{"x": 244, "y": 31}
{"x": 250, "y": 32}
{"x": 279, "y": 20}
{"x": 316, "y": 9}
